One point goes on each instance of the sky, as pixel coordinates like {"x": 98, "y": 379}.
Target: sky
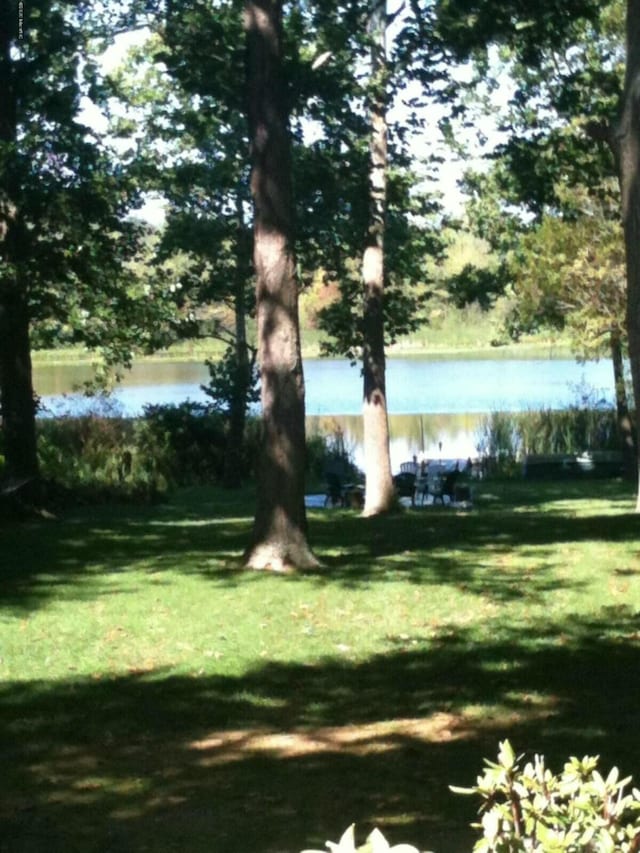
{"x": 421, "y": 143}
{"x": 152, "y": 210}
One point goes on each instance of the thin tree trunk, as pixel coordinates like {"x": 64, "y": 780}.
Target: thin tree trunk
{"x": 629, "y": 147}
{"x": 16, "y": 383}
{"x": 234, "y": 459}
{"x": 379, "y": 493}
{"x": 279, "y": 540}
{"x": 625, "y": 426}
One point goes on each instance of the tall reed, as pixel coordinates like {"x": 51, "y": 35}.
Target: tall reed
{"x": 506, "y": 437}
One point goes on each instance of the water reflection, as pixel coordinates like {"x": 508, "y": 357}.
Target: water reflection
{"x": 414, "y": 385}
{"x": 433, "y": 436}
{"x": 57, "y": 379}
{"x": 436, "y": 405}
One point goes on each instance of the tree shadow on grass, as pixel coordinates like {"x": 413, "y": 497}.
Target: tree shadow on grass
{"x": 40, "y": 560}
{"x": 203, "y": 535}
{"x": 513, "y": 492}
{"x": 287, "y": 755}
{"x": 503, "y": 555}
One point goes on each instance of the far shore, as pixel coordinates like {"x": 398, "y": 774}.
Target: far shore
{"x": 201, "y": 351}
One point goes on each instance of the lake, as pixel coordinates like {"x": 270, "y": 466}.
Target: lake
{"x": 432, "y": 401}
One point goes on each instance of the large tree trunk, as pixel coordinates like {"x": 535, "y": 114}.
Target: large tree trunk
{"x": 379, "y": 494}
{"x": 279, "y": 540}
{"x": 629, "y": 148}
{"x": 16, "y": 389}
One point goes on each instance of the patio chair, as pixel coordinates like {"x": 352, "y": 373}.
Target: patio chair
{"x": 431, "y": 483}
{"x": 410, "y": 467}
{"x": 405, "y": 484}
{"x": 335, "y": 490}
{"x": 449, "y": 484}
{"x": 435, "y": 487}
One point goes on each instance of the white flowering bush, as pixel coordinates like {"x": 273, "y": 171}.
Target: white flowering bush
{"x": 529, "y": 809}
{"x": 375, "y": 843}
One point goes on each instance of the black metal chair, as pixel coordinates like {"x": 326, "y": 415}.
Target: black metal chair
{"x": 335, "y": 490}
{"x": 449, "y": 484}
{"x": 405, "y": 484}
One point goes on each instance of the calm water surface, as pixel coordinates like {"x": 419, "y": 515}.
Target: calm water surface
{"x": 415, "y": 386}
{"x": 431, "y": 402}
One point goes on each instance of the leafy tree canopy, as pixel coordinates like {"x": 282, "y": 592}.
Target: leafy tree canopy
{"x": 71, "y": 242}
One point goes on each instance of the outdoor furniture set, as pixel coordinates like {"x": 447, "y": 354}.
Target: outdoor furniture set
{"x": 435, "y": 480}
{"x": 343, "y": 494}
{"x": 424, "y": 484}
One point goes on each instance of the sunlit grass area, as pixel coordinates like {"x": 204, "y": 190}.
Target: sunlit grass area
{"x": 155, "y": 697}
{"x": 190, "y": 350}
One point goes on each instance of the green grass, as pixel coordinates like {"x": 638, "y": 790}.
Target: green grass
{"x": 155, "y": 698}
{"x": 192, "y": 350}
{"x": 466, "y": 331}
{"x": 469, "y": 331}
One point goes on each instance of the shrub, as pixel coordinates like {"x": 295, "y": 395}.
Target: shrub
{"x": 74, "y": 450}
{"x": 185, "y": 443}
{"x": 226, "y": 383}
{"x": 327, "y": 453}
{"x": 252, "y": 446}
{"x": 316, "y": 456}
{"x": 530, "y": 810}
{"x": 375, "y": 843}
{"x": 98, "y": 457}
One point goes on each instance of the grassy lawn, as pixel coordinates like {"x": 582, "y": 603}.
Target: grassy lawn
{"x": 155, "y": 698}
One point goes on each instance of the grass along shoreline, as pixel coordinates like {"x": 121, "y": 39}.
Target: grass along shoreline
{"x": 156, "y": 698}
{"x": 468, "y": 332}
{"x": 200, "y": 351}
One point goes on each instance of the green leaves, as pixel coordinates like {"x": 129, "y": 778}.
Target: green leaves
{"x": 71, "y": 241}
{"x": 531, "y": 809}
{"x": 571, "y": 272}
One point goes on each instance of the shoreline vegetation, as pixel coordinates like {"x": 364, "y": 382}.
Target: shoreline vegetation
{"x": 425, "y": 343}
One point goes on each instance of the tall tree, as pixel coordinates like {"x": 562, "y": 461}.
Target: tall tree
{"x": 571, "y": 275}
{"x": 16, "y": 388}
{"x": 372, "y": 219}
{"x": 579, "y": 76}
{"x": 279, "y": 540}
{"x": 63, "y": 242}
{"x": 379, "y": 494}
{"x": 629, "y": 157}
{"x": 189, "y": 75}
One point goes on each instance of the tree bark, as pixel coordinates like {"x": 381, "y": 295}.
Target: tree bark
{"x": 279, "y": 540}
{"x": 379, "y": 493}
{"x": 625, "y": 425}
{"x": 234, "y": 459}
{"x": 629, "y": 148}
{"x": 17, "y": 404}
